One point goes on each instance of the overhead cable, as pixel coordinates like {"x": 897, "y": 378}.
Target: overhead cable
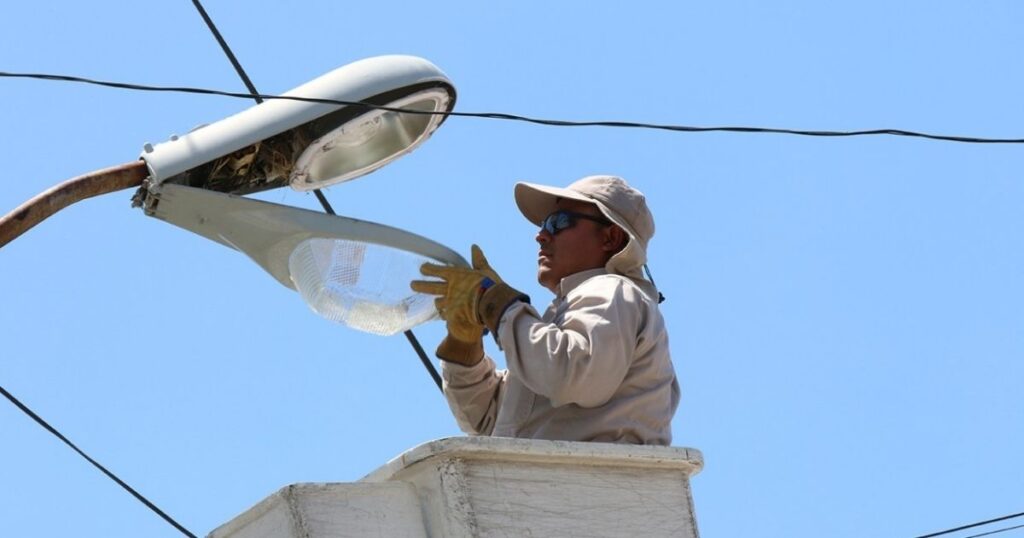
{"x": 96, "y": 464}
{"x": 997, "y": 531}
{"x": 227, "y": 51}
{"x": 527, "y": 119}
{"x": 971, "y": 525}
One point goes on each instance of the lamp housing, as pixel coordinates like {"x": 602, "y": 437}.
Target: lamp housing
{"x": 312, "y": 144}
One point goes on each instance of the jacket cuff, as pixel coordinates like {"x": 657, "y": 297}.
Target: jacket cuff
{"x": 495, "y": 300}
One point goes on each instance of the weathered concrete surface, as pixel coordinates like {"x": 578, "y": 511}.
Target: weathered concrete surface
{"x": 493, "y": 487}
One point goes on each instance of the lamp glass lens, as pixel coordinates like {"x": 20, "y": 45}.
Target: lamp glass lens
{"x": 368, "y": 141}
{"x": 361, "y": 285}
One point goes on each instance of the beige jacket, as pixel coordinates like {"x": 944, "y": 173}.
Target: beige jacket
{"x": 594, "y": 367}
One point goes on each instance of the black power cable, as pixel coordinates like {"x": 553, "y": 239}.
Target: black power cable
{"x": 425, "y": 360}
{"x": 971, "y": 525}
{"x": 997, "y": 531}
{"x": 539, "y": 121}
{"x": 323, "y": 202}
{"x": 319, "y": 195}
{"x": 96, "y": 464}
{"x": 258, "y": 97}
{"x": 227, "y": 51}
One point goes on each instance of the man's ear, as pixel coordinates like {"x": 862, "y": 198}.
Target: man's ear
{"x": 615, "y": 239}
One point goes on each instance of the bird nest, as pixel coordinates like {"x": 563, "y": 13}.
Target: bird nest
{"x": 264, "y": 165}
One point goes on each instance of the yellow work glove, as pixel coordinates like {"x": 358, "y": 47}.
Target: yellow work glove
{"x": 458, "y": 290}
{"x": 460, "y": 304}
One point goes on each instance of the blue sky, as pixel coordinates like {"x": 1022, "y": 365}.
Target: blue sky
{"x": 846, "y": 315}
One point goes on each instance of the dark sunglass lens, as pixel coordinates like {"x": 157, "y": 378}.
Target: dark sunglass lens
{"x": 556, "y": 222}
{"x": 548, "y": 225}
{"x": 564, "y": 221}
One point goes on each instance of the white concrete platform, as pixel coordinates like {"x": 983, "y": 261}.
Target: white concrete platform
{"x": 492, "y": 487}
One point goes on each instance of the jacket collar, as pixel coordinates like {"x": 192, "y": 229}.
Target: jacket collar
{"x": 570, "y": 282}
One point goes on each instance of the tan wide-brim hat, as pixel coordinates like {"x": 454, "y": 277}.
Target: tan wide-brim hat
{"x": 617, "y": 201}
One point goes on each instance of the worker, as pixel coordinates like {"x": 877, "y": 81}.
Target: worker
{"x": 595, "y": 365}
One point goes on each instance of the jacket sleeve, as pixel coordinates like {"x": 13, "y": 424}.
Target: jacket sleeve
{"x": 473, "y": 394}
{"x": 583, "y": 356}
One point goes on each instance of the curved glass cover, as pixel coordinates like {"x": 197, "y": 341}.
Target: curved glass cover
{"x": 362, "y": 285}
{"x": 368, "y": 141}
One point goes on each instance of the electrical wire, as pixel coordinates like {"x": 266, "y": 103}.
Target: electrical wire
{"x": 259, "y": 98}
{"x": 323, "y": 202}
{"x": 539, "y": 121}
{"x": 24, "y": 408}
{"x": 997, "y": 531}
{"x": 971, "y": 525}
{"x": 227, "y": 51}
{"x": 425, "y": 360}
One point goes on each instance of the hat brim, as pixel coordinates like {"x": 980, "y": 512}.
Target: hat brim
{"x": 538, "y": 201}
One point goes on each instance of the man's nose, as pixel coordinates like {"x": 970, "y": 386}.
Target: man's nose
{"x": 543, "y": 236}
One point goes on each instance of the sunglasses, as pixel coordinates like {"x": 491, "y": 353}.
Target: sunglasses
{"x": 563, "y": 220}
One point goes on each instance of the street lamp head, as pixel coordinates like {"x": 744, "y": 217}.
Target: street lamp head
{"x": 310, "y": 145}
{"x": 347, "y": 270}
{"x": 347, "y": 123}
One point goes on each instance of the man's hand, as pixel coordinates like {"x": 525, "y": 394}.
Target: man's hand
{"x": 467, "y": 301}
{"x": 459, "y": 292}
{"x": 459, "y": 288}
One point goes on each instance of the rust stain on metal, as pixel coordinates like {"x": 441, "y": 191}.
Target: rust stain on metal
{"x": 46, "y": 203}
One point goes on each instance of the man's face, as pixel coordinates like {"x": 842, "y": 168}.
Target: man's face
{"x": 575, "y": 249}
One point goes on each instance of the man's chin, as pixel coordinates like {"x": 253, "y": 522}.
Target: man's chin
{"x": 544, "y": 278}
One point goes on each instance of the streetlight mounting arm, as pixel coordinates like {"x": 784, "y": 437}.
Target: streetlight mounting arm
{"x": 76, "y": 189}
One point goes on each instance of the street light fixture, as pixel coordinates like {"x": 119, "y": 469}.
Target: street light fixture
{"x": 351, "y": 271}
{"x": 311, "y": 145}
